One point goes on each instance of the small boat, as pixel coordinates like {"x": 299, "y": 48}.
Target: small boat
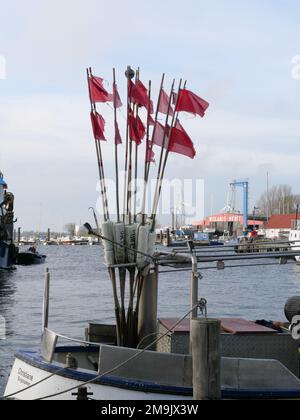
{"x": 30, "y": 257}
{"x": 7, "y": 247}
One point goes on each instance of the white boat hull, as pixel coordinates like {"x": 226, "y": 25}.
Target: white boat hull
{"x": 24, "y": 375}
{"x": 295, "y": 236}
{"x": 33, "y": 378}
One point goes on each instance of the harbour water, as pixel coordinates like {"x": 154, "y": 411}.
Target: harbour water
{"x": 81, "y": 293}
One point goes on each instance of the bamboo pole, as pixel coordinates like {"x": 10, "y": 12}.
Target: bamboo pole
{"x": 157, "y": 188}
{"x": 130, "y": 318}
{"x": 136, "y": 157}
{"x": 100, "y": 162}
{"x": 146, "y": 154}
{"x": 116, "y": 146}
{"x": 112, "y": 275}
{"x": 156, "y": 118}
{"x": 129, "y": 75}
{"x": 159, "y": 185}
{"x": 93, "y": 109}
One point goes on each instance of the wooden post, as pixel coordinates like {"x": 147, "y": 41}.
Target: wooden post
{"x": 19, "y": 236}
{"x": 49, "y": 235}
{"x": 147, "y": 315}
{"x": 205, "y": 335}
{"x": 168, "y": 238}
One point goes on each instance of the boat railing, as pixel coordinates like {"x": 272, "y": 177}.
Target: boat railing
{"x": 186, "y": 261}
{"x": 50, "y": 339}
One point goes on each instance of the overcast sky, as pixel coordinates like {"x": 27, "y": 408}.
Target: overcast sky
{"x": 236, "y": 54}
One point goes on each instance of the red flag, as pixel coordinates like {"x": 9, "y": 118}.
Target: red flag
{"x": 164, "y": 104}
{"x": 139, "y": 94}
{"x": 180, "y": 142}
{"x": 116, "y": 97}
{"x": 150, "y": 155}
{"x": 158, "y": 134}
{"x": 118, "y": 139}
{"x": 136, "y": 129}
{"x": 141, "y": 128}
{"x": 192, "y": 103}
{"x": 97, "y": 92}
{"x": 98, "y": 125}
{"x": 144, "y": 92}
{"x": 151, "y": 121}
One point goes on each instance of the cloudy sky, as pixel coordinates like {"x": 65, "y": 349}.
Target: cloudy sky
{"x": 237, "y": 54}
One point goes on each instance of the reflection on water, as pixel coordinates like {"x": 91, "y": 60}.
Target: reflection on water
{"x": 81, "y": 293}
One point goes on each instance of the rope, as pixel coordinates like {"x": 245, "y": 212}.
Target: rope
{"x": 135, "y": 356}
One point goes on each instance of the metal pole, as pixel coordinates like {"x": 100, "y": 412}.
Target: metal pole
{"x": 45, "y": 320}
{"x": 205, "y": 336}
{"x": 297, "y": 213}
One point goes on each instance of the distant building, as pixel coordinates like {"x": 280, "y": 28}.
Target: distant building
{"x": 230, "y": 222}
{"x": 280, "y": 225}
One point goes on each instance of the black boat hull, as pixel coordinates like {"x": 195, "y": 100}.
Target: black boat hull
{"x": 7, "y": 255}
{"x": 28, "y": 258}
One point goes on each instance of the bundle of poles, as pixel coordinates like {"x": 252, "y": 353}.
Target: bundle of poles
{"x": 131, "y": 233}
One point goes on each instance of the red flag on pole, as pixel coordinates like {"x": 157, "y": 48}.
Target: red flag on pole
{"x": 141, "y": 128}
{"x": 118, "y": 139}
{"x": 151, "y": 121}
{"x": 150, "y": 155}
{"x": 164, "y": 104}
{"x": 144, "y": 93}
{"x": 97, "y": 90}
{"x": 116, "y": 97}
{"x": 180, "y": 142}
{"x": 158, "y": 134}
{"x": 139, "y": 94}
{"x": 189, "y": 102}
{"x": 136, "y": 129}
{"x": 98, "y": 125}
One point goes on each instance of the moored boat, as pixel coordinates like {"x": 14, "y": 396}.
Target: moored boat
{"x": 30, "y": 257}
{"x": 141, "y": 356}
{"x": 7, "y": 248}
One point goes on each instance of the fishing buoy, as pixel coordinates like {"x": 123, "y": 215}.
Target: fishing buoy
{"x": 130, "y": 240}
{"x": 108, "y": 232}
{"x": 139, "y": 218}
{"x": 143, "y": 246}
{"x": 119, "y": 237}
{"x": 151, "y": 242}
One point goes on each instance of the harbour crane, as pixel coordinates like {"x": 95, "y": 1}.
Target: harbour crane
{"x": 245, "y": 186}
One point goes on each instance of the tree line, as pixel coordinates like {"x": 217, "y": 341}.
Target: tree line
{"x": 278, "y": 200}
